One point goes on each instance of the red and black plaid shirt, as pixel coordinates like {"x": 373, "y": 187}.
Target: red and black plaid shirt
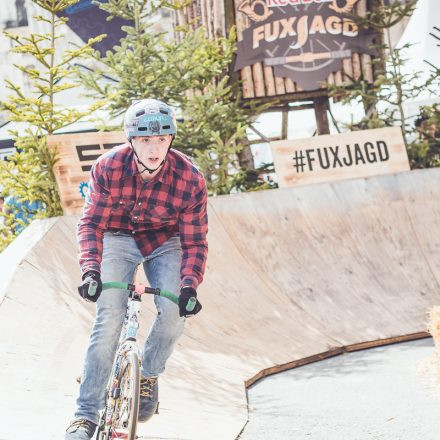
{"x": 173, "y": 202}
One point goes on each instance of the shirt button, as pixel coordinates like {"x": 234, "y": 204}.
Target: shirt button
{"x": 139, "y": 203}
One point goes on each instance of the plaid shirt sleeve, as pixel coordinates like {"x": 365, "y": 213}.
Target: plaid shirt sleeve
{"x": 193, "y": 227}
{"x": 91, "y": 225}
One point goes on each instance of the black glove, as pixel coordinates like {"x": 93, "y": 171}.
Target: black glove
{"x": 186, "y": 293}
{"x": 91, "y": 281}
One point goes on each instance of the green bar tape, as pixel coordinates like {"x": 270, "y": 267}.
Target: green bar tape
{"x": 92, "y": 288}
{"x": 114, "y": 285}
{"x": 124, "y": 286}
{"x": 191, "y": 304}
{"x": 170, "y": 296}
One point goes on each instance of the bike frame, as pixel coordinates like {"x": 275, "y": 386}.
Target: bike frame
{"x": 127, "y": 338}
{"x": 127, "y": 343}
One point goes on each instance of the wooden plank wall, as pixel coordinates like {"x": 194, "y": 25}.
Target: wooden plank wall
{"x": 207, "y": 13}
{"x": 76, "y": 154}
{"x": 259, "y": 80}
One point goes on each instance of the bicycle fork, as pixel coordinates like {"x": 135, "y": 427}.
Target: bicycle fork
{"x": 127, "y": 342}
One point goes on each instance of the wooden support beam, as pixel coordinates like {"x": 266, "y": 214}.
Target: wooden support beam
{"x": 265, "y": 139}
{"x": 289, "y": 97}
{"x": 321, "y": 106}
{"x": 229, "y": 15}
{"x": 280, "y": 108}
{"x": 285, "y": 123}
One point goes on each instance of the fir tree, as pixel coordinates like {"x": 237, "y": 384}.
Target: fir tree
{"x": 190, "y": 74}
{"x": 384, "y": 100}
{"x": 28, "y": 175}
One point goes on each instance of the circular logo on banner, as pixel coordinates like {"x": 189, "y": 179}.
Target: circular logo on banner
{"x": 83, "y": 189}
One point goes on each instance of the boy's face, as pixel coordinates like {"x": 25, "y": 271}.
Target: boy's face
{"x": 151, "y": 150}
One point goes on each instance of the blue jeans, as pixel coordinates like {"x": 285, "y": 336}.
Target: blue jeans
{"x": 119, "y": 261}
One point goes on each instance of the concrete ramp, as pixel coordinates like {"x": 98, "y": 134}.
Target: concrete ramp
{"x": 293, "y": 276}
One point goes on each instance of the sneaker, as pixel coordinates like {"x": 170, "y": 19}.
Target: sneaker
{"x": 149, "y": 395}
{"x": 80, "y": 429}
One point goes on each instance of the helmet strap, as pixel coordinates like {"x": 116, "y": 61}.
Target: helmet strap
{"x": 150, "y": 170}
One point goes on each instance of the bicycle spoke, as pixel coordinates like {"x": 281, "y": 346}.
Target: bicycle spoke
{"x": 119, "y": 434}
{"x": 125, "y": 410}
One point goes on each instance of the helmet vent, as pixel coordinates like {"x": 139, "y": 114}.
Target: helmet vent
{"x": 166, "y": 127}
{"x": 142, "y": 128}
{"x": 140, "y": 112}
{"x": 163, "y": 111}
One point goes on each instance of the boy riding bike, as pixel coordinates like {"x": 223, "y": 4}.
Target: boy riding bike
{"x": 146, "y": 204}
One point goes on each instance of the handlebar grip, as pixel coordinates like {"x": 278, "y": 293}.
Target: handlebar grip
{"x": 191, "y": 304}
{"x": 92, "y": 288}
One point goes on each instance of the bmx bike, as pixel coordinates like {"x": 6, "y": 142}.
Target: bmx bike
{"x": 120, "y": 416}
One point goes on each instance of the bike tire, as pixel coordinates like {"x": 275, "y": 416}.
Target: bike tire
{"x": 131, "y": 374}
{"x": 129, "y": 384}
{"x": 135, "y": 394}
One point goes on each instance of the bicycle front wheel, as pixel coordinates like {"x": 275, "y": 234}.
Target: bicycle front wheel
{"x": 126, "y": 409}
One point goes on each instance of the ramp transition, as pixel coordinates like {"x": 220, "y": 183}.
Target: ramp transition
{"x": 293, "y": 275}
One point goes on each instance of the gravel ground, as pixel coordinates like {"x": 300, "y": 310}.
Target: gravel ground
{"x": 382, "y": 393}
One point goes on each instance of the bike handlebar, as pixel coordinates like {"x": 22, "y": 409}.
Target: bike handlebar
{"x": 141, "y": 289}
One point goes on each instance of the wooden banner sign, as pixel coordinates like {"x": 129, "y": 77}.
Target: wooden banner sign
{"x": 76, "y": 153}
{"x": 335, "y": 157}
{"x": 285, "y": 47}
{"x": 304, "y": 40}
